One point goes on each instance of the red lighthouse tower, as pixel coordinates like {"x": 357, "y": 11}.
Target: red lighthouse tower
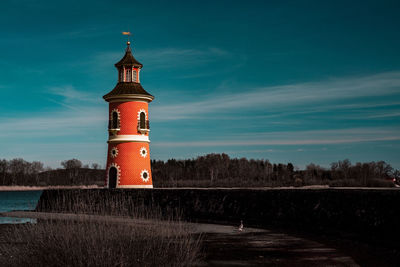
{"x": 128, "y": 155}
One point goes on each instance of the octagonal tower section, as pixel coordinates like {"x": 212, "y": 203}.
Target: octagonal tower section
{"x": 128, "y": 154}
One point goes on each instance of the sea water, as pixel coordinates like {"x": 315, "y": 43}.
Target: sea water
{"x": 18, "y": 200}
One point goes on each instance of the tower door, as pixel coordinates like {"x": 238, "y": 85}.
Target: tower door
{"x": 112, "y": 178}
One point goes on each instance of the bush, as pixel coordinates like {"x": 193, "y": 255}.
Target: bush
{"x": 380, "y": 183}
{"x": 360, "y": 183}
{"x": 345, "y": 183}
{"x": 298, "y": 182}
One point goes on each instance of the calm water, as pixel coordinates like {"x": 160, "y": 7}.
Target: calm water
{"x": 18, "y": 200}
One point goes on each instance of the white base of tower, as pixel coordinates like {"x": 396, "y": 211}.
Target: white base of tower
{"x": 134, "y": 186}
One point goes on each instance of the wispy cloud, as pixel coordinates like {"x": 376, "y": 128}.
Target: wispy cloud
{"x": 53, "y": 153}
{"x": 166, "y": 57}
{"x": 71, "y": 95}
{"x": 171, "y": 57}
{"x": 317, "y": 137}
{"x": 65, "y": 123}
{"x": 286, "y": 95}
{"x": 63, "y": 104}
{"x": 386, "y": 115}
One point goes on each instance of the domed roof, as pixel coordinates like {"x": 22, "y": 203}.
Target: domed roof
{"x": 128, "y": 59}
{"x": 128, "y": 88}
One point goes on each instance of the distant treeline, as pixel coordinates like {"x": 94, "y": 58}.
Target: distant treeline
{"x": 212, "y": 170}
{"x": 73, "y": 172}
{"x": 222, "y": 171}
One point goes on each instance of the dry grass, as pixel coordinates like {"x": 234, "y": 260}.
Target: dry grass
{"x": 107, "y": 202}
{"x": 162, "y": 241}
{"x": 91, "y": 243}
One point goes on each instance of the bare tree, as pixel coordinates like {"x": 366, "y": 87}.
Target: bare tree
{"x": 96, "y": 166}
{"x": 35, "y": 168}
{"x": 71, "y": 164}
{"x": 3, "y": 170}
{"x": 17, "y": 168}
{"x": 344, "y": 166}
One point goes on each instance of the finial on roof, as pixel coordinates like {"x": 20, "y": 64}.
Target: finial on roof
{"x": 128, "y": 43}
{"x": 128, "y": 59}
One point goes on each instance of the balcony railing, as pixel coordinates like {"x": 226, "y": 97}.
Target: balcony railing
{"x": 143, "y": 126}
{"x": 111, "y": 126}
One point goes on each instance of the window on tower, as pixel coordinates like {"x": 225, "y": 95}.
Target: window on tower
{"x": 121, "y": 75}
{"x": 128, "y": 75}
{"x": 134, "y": 75}
{"x": 143, "y": 123}
{"x": 115, "y": 120}
{"x": 142, "y": 120}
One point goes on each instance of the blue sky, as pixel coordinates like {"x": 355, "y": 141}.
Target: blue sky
{"x": 288, "y": 81}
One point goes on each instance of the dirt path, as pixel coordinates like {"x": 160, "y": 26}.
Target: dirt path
{"x": 266, "y": 248}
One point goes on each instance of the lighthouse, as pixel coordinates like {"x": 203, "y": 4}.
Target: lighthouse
{"x": 128, "y": 154}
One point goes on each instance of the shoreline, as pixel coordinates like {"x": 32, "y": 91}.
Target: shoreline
{"x": 37, "y": 188}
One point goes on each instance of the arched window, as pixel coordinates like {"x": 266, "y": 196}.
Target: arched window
{"x": 115, "y": 121}
{"x": 142, "y": 120}
{"x": 128, "y": 75}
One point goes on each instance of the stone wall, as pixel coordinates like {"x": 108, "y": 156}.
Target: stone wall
{"x": 366, "y": 212}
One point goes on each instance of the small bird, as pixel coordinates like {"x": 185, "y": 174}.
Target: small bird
{"x": 241, "y": 226}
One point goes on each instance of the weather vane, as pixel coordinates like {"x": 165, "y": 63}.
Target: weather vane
{"x": 127, "y": 33}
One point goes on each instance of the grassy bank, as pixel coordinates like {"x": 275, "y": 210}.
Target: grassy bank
{"x": 67, "y": 243}
{"x": 161, "y": 241}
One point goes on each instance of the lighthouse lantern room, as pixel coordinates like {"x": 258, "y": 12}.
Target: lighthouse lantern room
{"x": 128, "y": 156}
